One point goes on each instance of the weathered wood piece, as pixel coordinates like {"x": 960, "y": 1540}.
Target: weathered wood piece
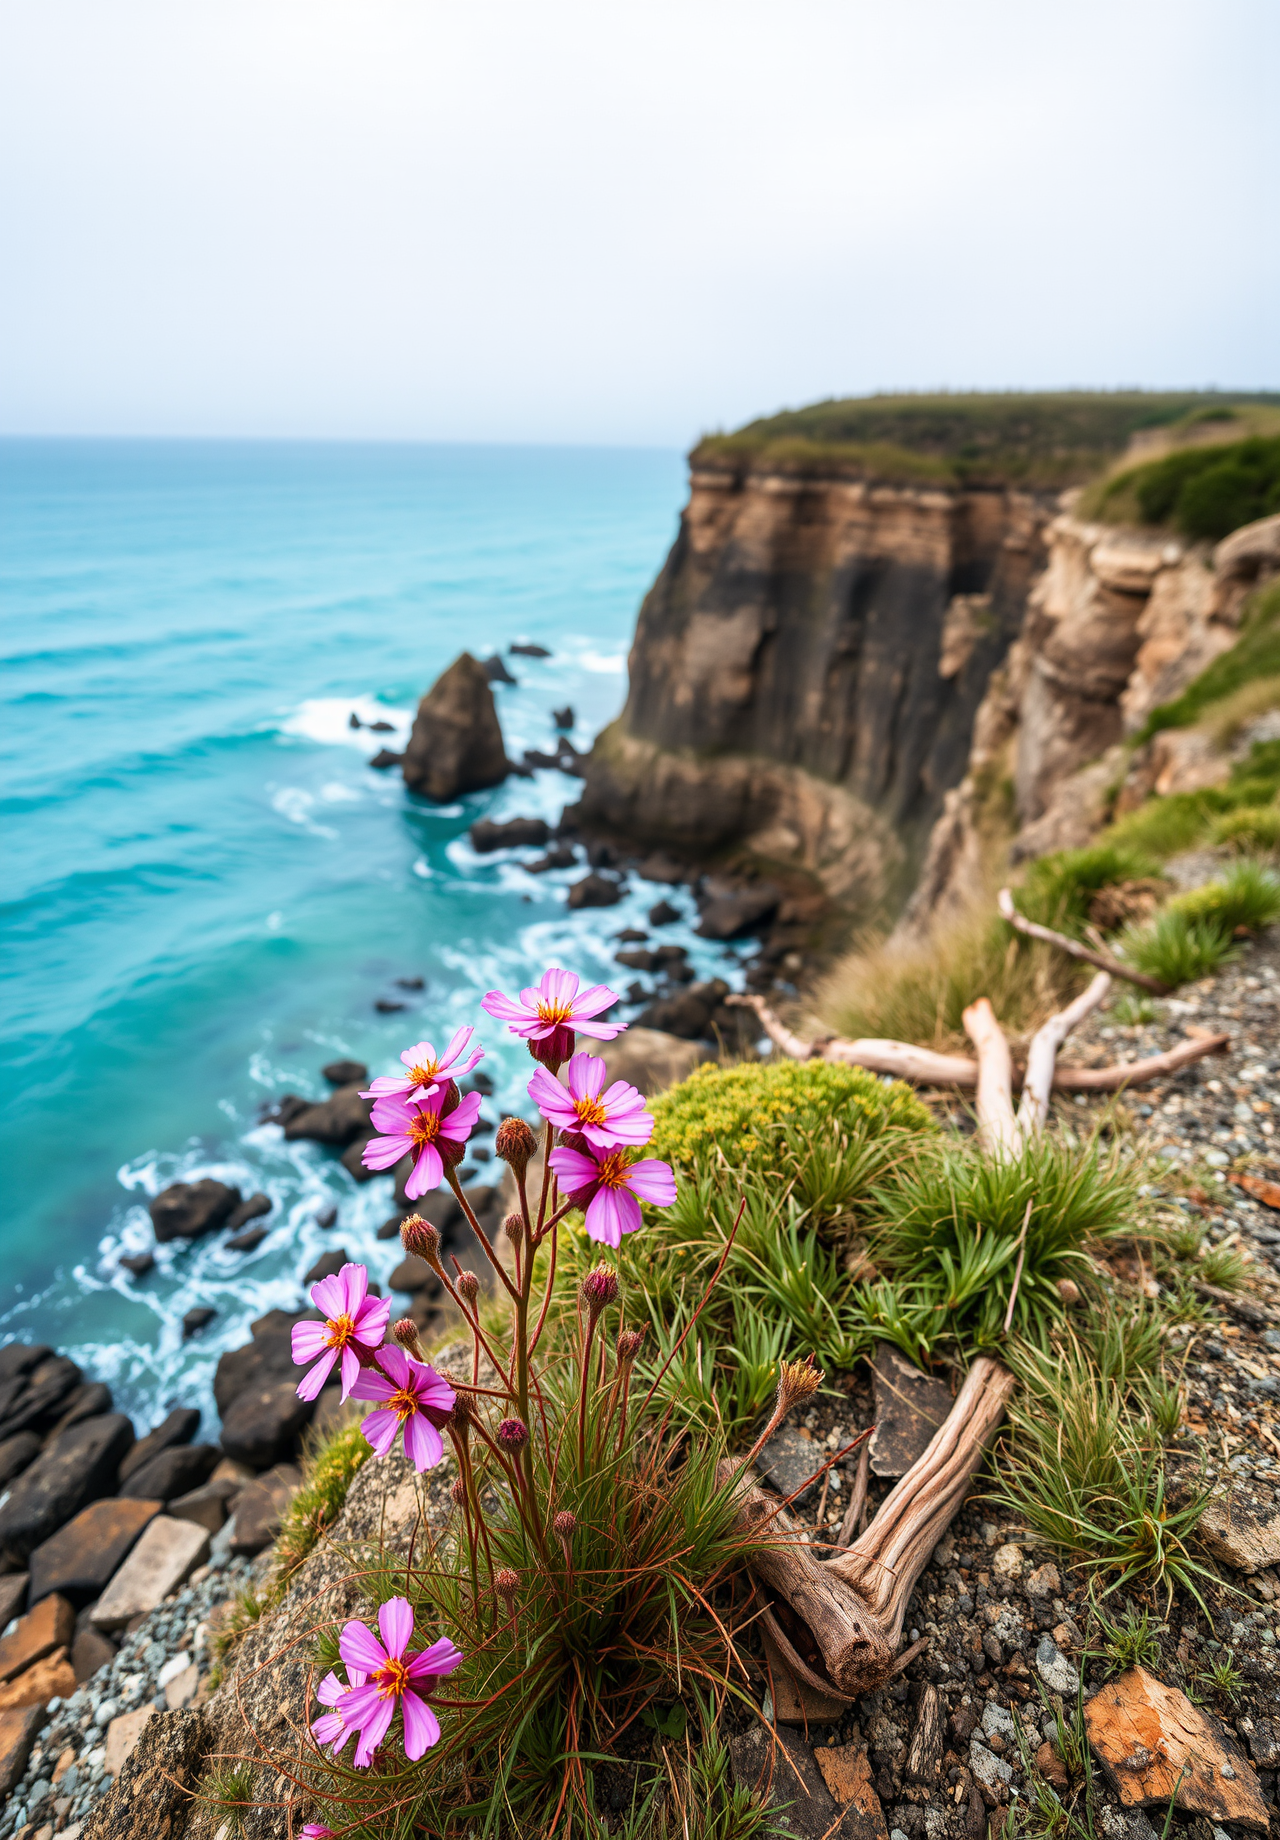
{"x": 1087, "y": 955}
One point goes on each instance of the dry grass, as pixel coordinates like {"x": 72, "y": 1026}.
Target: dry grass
{"x": 917, "y": 993}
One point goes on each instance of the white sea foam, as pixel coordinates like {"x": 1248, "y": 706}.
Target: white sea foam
{"x": 296, "y": 804}
{"x": 327, "y": 720}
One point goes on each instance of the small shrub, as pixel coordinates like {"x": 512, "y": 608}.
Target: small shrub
{"x": 1164, "y": 826}
{"x": 1225, "y": 1267}
{"x": 1252, "y": 827}
{"x": 1205, "y": 492}
{"x": 1247, "y": 896}
{"x": 1224, "y": 720}
{"x": 1176, "y": 949}
{"x": 1060, "y": 889}
{"x": 1224, "y": 1678}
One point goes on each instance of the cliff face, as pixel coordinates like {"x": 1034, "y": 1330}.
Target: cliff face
{"x": 807, "y": 668}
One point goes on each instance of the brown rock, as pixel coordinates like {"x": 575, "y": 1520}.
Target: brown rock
{"x": 1241, "y": 1535}
{"x": 651, "y": 1060}
{"x": 122, "y": 1737}
{"x": 82, "y": 1556}
{"x": 167, "y": 1553}
{"x": 39, "y": 1632}
{"x": 909, "y": 1407}
{"x": 1154, "y": 1744}
{"x": 1051, "y": 1766}
{"x": 18, "y": 1728}
{"x": 207, "y": 1506}
{"x": 782, "y": 1771}
{"x": 76, "y": 1468}
{"x": 179, "y": 1427}
{"x": 151, "y": 1795}
{"x": 38, "y": 1684}
{"x": 17, "y": 1452}
{"x": 413, "y": 1274}
{"x": 261, "y": 1507}
{"x": 456, "y": 745}
{"x": 185, "y": 1210}
{"x": 925, "y": 1755}
{"x": 13, "y": 1595}
{"x": 846, "y": 1771}
{"x": 340, "y": 1119}
{"x": 90, "y": 1651}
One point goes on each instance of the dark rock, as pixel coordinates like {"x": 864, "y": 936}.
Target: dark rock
{"x": 18, "y": 1728}
{"x": 529, "y": 650}
{"x": 179, "y": 1427}
{"x": 411, "y": 983}
{"x": 662, "y": 913}
{"x": 515, "y": 834}
{"x": 153, "y": 1791}
{"x": 728, "y": 913}
{"x": 456, "y": 745}
{"x": 18, "y": 1358}
{"x": 384, "y": 758}
{"x": 248, "y": 1241}
{"x": 338, "y": 1120}
{"x": 562, "y": 856}
{"x": 139, "y": 1263}
{"x": 390, "y": 1228}
{"x": 261, "y": 1506}
{"x": 196, "y": 1320}
{"x": 286, "y": 1108}
{"x": 481, "y": 1083}
{"x": 601, "y": 855}
{"x": 206, "y": 1506}
{"x": 595, "y": 891}
{"x": 381, "y": 728}
{"x": 635, "y": 958}
{"x": 666, "y": 869}
{"x": 172, "y": 1472}
{"x": 353, "y": 720}
{"x": 677, "y": 971}
{"x": 87, "y": 1401}
{"x": 75, "y": 1469}
{"x": 41, "y": 1400}
{"x": 262, "y": 1425}
{"x": 267, "y": 1358}
{"x": 16, "y": 1453}
{"x": 788, "y": 1463}
{"x": 184, "y": 1210}
{"x": 90, "y": 1651}
{"x": 792, "y": 1783}
{"x": 563, "y": 718}
{"x": 687, "y": 1014}
{"x": 413, "y": 1274}
{"x": 326, "y": 1216}
{"x": 13, "y": 1595}
{"x": 352, "y": 1159}
{"x": 631, "y": 935}
{"x": 328, "y": 1265}
{"x": 909, "y": 1407}
{"x": 81, "y": 1558}
{"x": 389, "y": 1006}
{"x": 252, "y": 1209}
{"x": 496, "y": 671}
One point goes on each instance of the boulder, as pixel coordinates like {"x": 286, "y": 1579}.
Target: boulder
{"x": 909, "y": 1407}
{"x": 165, "y": 1556}
{"x": 595, "y": 891}
{"x": 52, "y": 1678}
{"x": 82, "y": 1557}
{"x": 261, "y": 1508}
{"x": 846, "y": 1770}
{"x": 337, "y": 1120}
{"x": 662, "y": 913}
{"x": 172, "y": 1472}
{"x": 727, "y": 912}
{"x": 18, "y": 1358}
{"x": 328, "y": 1265}
{"x": 515, "y": 834}
{"x": 196, "y": 1320}
{"x": 262, "y": 1425}
{"x": 562, "y": 856}
{"x": 75, "y": 1469}
{"x": 208, "y": 1505}
{"x": 352, "y": 1159}
{"x": 688, "y": 1013}
{"x": 18, "y": 1729}
{"x": 1159, "y": 1750}
{"x": 527, "y": 649}
{"x": 90, "y": 1651}
{"x": 345, "y": 1073}
{"x": 139, "y": 1263}
{"x": 36, "y": 1401}
{"x": 783, "y": 1769}
{"x": 152, "y": 1793}
{"x": 248, "y": 1241}
{"x": 456, "y": 745}
{"x": 13, "y": 1595}
{"x": 1241, "y": 1532}
{"x": 179, "y": 1427}
{"x": 384, "y": 758}
{"x": 564, "y": 718}
{"x": 48, "y": 1627}
{"x": 123, "y": 1734}
{"x": 16, "y": 1453}
{"x": 496, "y": 671}
{"x": 185, "y": 1210}
{"x": 413, "y": 1274}
{"x": 252, "y": 1209}
{"x": 88, "y": 1400}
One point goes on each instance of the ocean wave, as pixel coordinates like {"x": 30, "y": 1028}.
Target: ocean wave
{"x": 327, "y": 720}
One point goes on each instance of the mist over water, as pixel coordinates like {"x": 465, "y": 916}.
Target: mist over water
{"x": 206, "y": 886}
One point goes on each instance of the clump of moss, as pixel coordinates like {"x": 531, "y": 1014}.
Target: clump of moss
{"x": 1205, "y": 492}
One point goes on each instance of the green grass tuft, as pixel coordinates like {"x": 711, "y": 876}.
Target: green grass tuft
{"x": 1176, "y": 949}
{"x": 1059, "y": 889}
{"x": 1255, "y": 828}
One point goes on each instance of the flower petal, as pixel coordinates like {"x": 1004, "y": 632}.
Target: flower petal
{"x": 421, "y": 1726}
{"x": 372, "y": 1734}
{"x": 382, "y": 1152}
{"x": 330, "y": 1295}
{"x": 354, "y": 1280}
{"x": 591, "y": 1002}
{"x": 558, "y": 988}
{"x": 432, "y": 1388}
{"x": 329, "y": 1728}
{"x": 371, "y": 1320}
{"x": 653, "y": 1181}
{"x": 575, "y": 1171}
{"x": 458, "y": 1123}
{"x": 372, "y": 1384}
{"x": 331, "y": 1689}
{"x": 423, "y": 1444}
{"x": 421, "y": 1054}
{"x": 350, "y": 1370}
{"x": 428, "y": 1172}
{"x": 380, "y": 1430}
{"x": 308, "y": 1340}
{"x": 604, "y": 1216}
{"x": 394, "y": 1363}
{"x": 441, "y": 1658}
{"x": 395, "y": 1620}
{"x": 360, "y": 1648}
{"x": 586, "y": 1076}
{"x": 387, "y": 1083}
{"x": 311, "y": 1384}
{"x": 493, "y": 1003}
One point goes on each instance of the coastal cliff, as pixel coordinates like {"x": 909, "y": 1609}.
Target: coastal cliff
{"x": 807, "y": 667}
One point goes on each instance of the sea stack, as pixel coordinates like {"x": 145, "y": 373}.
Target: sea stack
{"x": 456, "y": 745}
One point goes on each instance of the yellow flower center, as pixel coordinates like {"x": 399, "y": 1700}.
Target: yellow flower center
{"x": 554, "y": 1012}
{"x": 612, "y": 1172}
{"x": 404, "y": 1403}
{"x": 341, "y": 1330}
{"x": 392, "y": 1678}
{"x": 590, "y": 1111}
{"x": 424, "y": 1129}
{"x": 423, "y": 1076}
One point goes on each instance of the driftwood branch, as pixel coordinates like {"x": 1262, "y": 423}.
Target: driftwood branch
{"x": 1042, "y": 1055}
{"x": 997, "y": 1127}
{"x": 1103, "y": 960}
{"x": 927, "y": 1068}
{"x": 837, "y": 1622}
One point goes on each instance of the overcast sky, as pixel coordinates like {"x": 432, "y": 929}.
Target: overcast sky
{"x": 539, "y": 220}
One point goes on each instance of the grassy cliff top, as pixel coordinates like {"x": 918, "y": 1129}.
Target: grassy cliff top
{"x": 1039, "y": 439}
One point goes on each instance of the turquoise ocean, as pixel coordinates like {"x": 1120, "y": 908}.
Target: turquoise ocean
{"x": 206, "y": 887}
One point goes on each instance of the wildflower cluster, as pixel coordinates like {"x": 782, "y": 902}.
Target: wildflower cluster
{"x": 591, "y": 1132}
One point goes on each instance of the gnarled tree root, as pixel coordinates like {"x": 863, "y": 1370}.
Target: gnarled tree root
{"x": 837, "y": 1622}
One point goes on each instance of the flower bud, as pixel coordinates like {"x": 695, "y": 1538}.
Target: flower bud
{"x": 513, "y": 1227}
{"x": 797, "y": 1381}
{"x": 462, "y": 1414}
{"x": 512, "y": 1435}
{"x": 515, "y": 1144}
{"x": 1069, "y": 1291}
{"x": 406, "y": 1333}
{"x": 467, "y": 1286}
{"x": 599, "y": 1289}
{"x": 421, "y": 1238}
{"x": 630, "y": 1342}
{"x": 564, "y": 1525}
{"x": 554, "y": 1049}
{"x": 458, "y": 1493}
{"x": 506, "y": 1583}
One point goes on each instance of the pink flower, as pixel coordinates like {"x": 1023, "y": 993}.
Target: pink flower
{"x": 316, "y": 1830}
{"x": 607, "y": 1186}
{"x": 424, "y": 1072}
{"x": 414, "y": 1396}
{"x": 605, "y": 1119}
{"x": 331, "y": 1727}
{"x": 552, "y": 1010}
{"x": 391, "y": 1678}
{"x": 351, "y": 1316}
{"x": 414, "y": 1127}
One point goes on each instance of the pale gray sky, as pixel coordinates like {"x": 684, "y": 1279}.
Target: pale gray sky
{"x": 577, "y": 220}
